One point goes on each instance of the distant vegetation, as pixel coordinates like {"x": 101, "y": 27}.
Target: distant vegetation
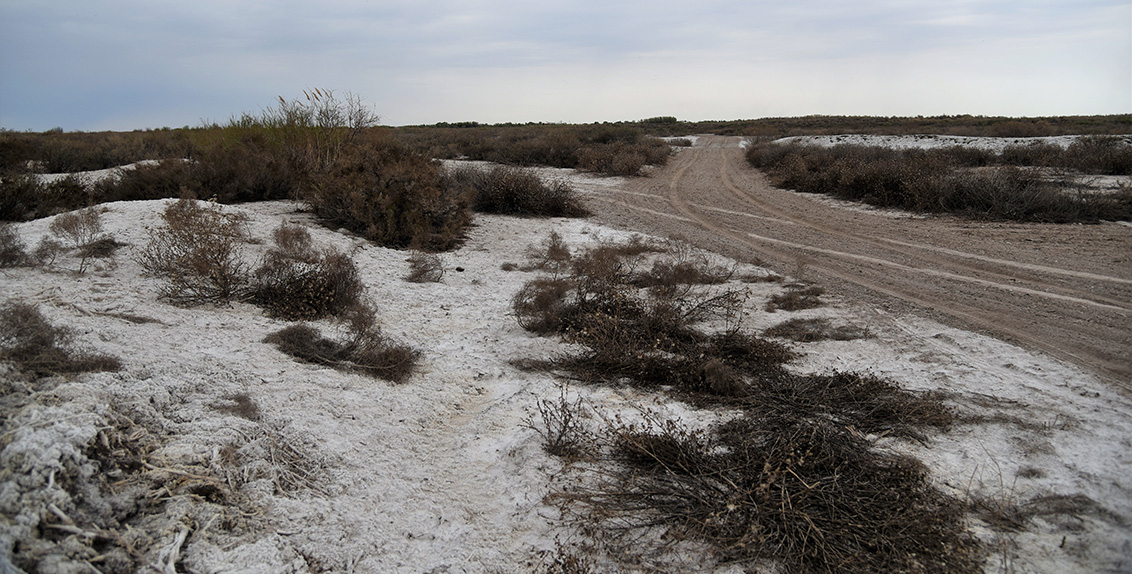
{"x": 381, "y": 182}
{"x": 1012, "y": 185}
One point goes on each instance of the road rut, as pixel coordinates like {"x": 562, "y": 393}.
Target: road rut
{"x": 1065, "y": 290}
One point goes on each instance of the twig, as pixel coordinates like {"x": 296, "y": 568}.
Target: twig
{"x": 172, "y": 553}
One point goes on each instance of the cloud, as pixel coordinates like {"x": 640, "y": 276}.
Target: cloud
{"x": 125, "y": 63}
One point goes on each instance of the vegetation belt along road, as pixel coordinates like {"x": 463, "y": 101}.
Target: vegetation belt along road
{"x": 1065, "y": 290}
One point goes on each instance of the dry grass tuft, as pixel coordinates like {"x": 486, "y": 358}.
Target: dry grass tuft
{"x": 796, "y": 298}
{"x": 811, "y": 330}
{"x": 361, "y": 348}
{"x": 39, "y": 348}
{"x": 425, "y": 268}
{"x": 241, "y": 405}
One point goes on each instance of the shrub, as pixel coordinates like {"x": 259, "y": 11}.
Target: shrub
{"x": 25, "y": 197}
{"x": 553, "y": 255}
{"x": 562, "y": 428}
{"x": 46, "y": 251}
{"x": 12, "y": 250}
{"x": 81, "y": 229}
{"x": 158, "y": 180}
{"x": 298, "y": 282}
{"x": 513, "y": 191}
{"x": 391, "y": 197}
{"x": 796, "y": 298}
{"x": 646, "y": 337}
{"x": 39, "y": 348}
{"x": 802, "y": 491}
{"x": 942, "y": 181}
{"x": 197, "y": 254}
{"x": 810, "y": 330}
{"x": 425, "y": 268}
{"x": 362, "y": 348}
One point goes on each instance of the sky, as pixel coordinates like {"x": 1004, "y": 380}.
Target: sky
{"x": 134, "y": 64}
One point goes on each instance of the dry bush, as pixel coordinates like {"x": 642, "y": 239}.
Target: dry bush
{"x": 37, "y": 347}
{"x": 296, "y": 281}
{"x": 791, "y": 480}
{"x": 811, "y": 330}
{"x": 944, "y": 181}
{"x": 390, "y": 196}
{"x": 513, "y": 191}
{"x": 361, "y": 348}
{"x": 646, "y": 337}
{"x": 807, "y": 494}
{"x": 81, "y": 229}
{"x": 157, "y": 180}
{"x": 561, "y": 427}
{"x": 24, "y": 197}
{"x": 295, "y": 241}
{"x": 197, "y": 254}
{"x": 12, "y": 250}
{"x": 796, "y": 298}
{"x": 425, "y": 268}
{"x": 552, "y": 255}
{"x": 540, "y": 305}
{"x": 46, "y": 251}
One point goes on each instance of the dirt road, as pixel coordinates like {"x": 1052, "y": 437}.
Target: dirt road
{"x": 1061, "y": 289}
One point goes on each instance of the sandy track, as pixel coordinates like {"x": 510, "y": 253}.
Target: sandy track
{"x": 1062, "y": 289}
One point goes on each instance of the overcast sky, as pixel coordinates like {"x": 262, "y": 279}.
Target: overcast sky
{"x": 122, "y": 64}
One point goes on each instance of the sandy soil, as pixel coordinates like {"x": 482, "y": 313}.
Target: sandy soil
{"x": 442, "y": 473}
{"x": 1065, "y": 290}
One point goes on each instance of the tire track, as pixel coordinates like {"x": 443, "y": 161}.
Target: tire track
{"x": 1071, "y": 311}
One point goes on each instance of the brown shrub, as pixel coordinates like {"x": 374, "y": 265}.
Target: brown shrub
{"x": 24, "y": 197}
{"x": 540, "y": 305}
{"x": 810, "y": 330}
{"x": 562, "y": 428}
{"x": 391, "y": 197}
{"x": 298, "y": 282}
{"x": 514, "y": 191}
{"x": 362, "y": 348}
{"x": 12, "y": 250}
{"x": 552, "y": 255}
{"x": 295, "y": 241}
{"x": 81, "y": 229}
{"x": 425, "y": 268}
{"x": 37, "y": 347}
{"x": 796, "y": 298}
{"x": 197, "y": 254}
